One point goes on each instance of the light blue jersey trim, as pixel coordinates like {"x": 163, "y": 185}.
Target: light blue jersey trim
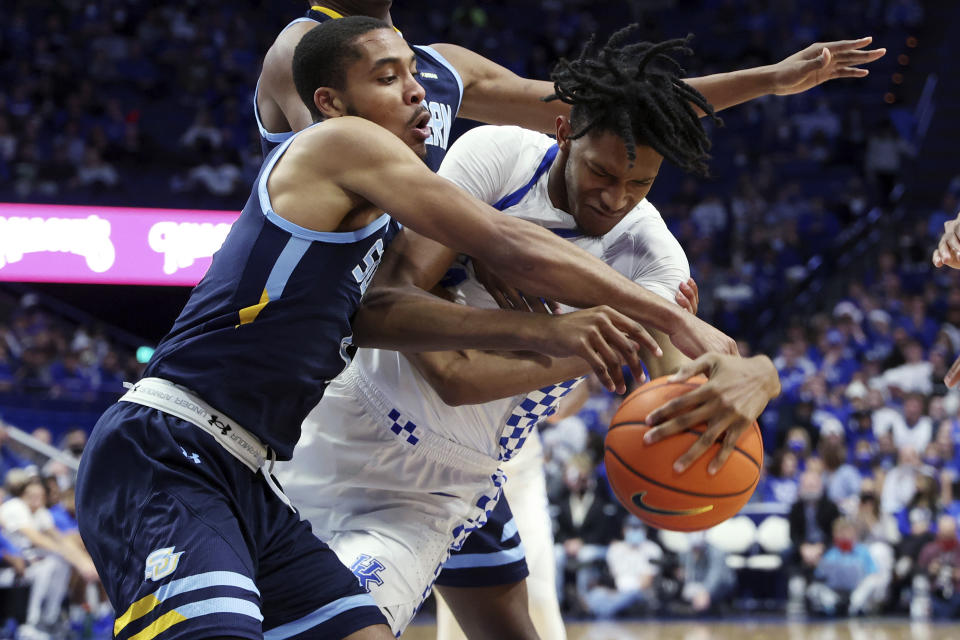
{"x": 495, "y": 559}
{"x": 220, "y": 605}
{"x": 336, "y": 237}
{"x": 286, "y": 262}
{"x": 509, "y": 530}
{"x": 319, "y": 616}
{"x": 205, "y": 581}
{"x": 267, "y": 135}
{"x": 439, "y": 58}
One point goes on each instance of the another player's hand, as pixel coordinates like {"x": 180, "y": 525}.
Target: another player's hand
{"x": 694, "y": 337}
{"x": 953, "y": 375}
{"x": 735, "y": 394}
{"x": 688, "y": 296}
{"x": 821, "y": 62}
{"x": 604, "y": 338}
{"x": 506, "y": 296}
{"x": 947, "y": 252}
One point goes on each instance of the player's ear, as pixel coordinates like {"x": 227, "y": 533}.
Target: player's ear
{"x": 563, "y": 133}
{"x": 329, "y": 102}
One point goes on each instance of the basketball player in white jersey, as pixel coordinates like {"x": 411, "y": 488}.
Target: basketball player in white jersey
{"x": 395, "y": 466}
{"x": 491, "y": 93}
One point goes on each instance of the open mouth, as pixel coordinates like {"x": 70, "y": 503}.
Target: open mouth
{"x": 421, "y": 125}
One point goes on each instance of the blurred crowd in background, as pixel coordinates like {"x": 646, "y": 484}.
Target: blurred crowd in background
{"x": 127, "y": 102}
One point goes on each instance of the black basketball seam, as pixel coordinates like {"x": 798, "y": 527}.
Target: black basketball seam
{"x": 674, "y": 489}
{"x": 690, "y": 430}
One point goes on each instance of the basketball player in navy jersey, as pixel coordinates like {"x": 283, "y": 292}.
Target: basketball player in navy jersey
{"x": 442, "y": 427}
{"x": 493, "y": 94}
{"x": 176, "y": 503}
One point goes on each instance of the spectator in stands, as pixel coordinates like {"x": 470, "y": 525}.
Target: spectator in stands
{"x": 914, "y": 374}
{"x": 908, "y": 550}
{"x": 74, "y": 441}
{"x": 95, "y": 174}
{"x": 811, "y": 525}
{"x": 703, "y": 571}
{"x": 940, "y": 560}
{"x": 846, "y": 578}
{"x": 587, "y": 522}
{"x": 900, "y": 483}
{"x": 70, "y": 378}
{"x": 633, "y": 564}
{"x": 25, "y": 520}
{"x": 883, "y": 159}
{"x": 781, "y": 484}
{"x": 867, "y": 519}
{"x": 842, "y": 480}
{"x": 926, "y": 496}
{"x": 10, "y": 457}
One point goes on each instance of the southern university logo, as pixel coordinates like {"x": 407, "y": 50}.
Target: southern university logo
{"x": 367, "y": 569}
{"x": 639, "y": 500}
{"x": 161, "y": 563}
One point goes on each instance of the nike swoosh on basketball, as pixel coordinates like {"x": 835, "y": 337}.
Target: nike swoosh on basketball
{"x": 638, "y": 499}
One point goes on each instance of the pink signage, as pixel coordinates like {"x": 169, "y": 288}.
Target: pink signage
{"x": 108, "y": 245}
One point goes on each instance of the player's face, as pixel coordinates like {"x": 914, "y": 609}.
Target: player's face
{"x": 382, "y": 88}
{"x": 601, "y": 185}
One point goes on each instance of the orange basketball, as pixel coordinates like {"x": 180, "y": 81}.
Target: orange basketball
{"x": 643, "y": 478}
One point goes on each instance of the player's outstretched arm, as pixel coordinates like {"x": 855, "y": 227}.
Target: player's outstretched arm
{"x": 378, "y": 167}
{"x": 797, "y": 73}
{"x": 735, "y": 394}
{"x": 495, "y": 95}
{"x": 472, "y": 377}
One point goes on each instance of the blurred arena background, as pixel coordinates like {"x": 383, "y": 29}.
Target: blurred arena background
{"x": 811, "y": 243}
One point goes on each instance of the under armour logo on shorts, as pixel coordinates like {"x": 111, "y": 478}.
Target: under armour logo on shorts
{"x": 219, "y": 424}
{"x": 161, "y": 563}
{"x": 366, "y": 569}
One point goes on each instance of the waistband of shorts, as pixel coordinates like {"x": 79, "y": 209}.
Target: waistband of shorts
{"x": 171, "y": 398}
{"x": 440, "y": 449}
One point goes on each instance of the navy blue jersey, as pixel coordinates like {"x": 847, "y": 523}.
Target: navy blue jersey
{"x": 269, "y": 325}
{"x": 440, "y": 81}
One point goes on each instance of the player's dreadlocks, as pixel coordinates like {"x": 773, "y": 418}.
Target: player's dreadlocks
{"x": 634, "y": 91}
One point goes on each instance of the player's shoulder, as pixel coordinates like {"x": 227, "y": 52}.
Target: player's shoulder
{"x": 345, "y": 132}
{"x": 277, "y": 61}
{"x": 505, "y": 142}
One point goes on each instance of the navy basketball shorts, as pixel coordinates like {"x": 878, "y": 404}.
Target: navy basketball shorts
{"x": 189, "y": 543}
{"x": 490, "y": 556}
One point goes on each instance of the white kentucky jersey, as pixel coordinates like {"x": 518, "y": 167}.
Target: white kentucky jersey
{"x": 508, "y": 168}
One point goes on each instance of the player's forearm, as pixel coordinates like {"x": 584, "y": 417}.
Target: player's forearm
{"x": 475, "y": 377}
{"x": 406, "y": 318}
{"x": 540, "y": 263}
{"x": 723, "y": 90}
{"x": 521, "y": 106}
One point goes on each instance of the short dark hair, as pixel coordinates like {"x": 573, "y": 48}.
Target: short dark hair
{"x": 635, "y": 91}
{"x": 324, "y": 53}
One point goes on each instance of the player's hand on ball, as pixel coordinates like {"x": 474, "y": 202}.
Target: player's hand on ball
{"x": 735, "y": 394}
{"x": 688, "y": 296}
{"x": 603, "y": 337}
{"x": 506, "y": 296}
{"x": 821, "y": 62}
{"x": 947, "y": 253}
{"x": 694, "y": 337}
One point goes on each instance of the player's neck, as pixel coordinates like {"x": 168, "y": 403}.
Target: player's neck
{"x": 557, "y": 185}
{"x": 379, "y": 10}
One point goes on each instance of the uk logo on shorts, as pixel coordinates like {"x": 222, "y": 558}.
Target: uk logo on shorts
{"x": 161, "y": 563}
{"x": 367, "y": 569}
